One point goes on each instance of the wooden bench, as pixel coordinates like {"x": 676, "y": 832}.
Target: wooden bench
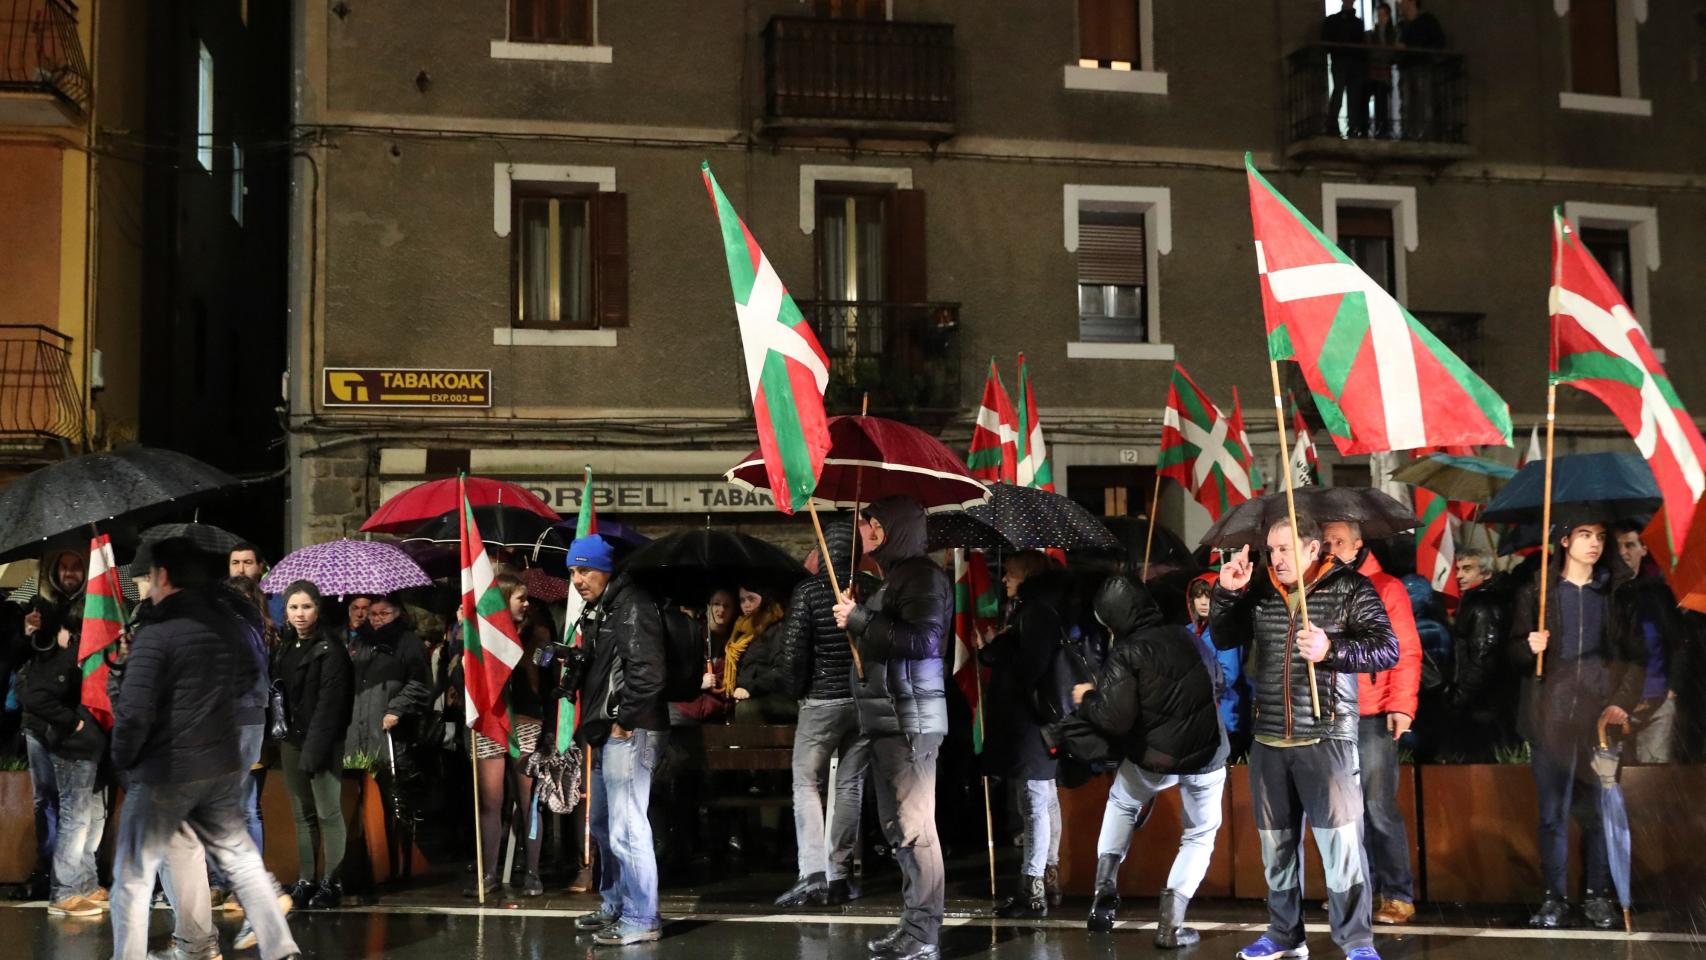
{"x": 748, "y": 746}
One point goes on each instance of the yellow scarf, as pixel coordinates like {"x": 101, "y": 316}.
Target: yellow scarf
{"x": 747, "y": 629}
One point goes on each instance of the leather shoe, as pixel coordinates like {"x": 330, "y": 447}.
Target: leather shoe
{"x": 908, "y": 947}
{"x": 884, "y": 943}
{"x": 804, "y": 890}
{"x": 1394, "y": 911}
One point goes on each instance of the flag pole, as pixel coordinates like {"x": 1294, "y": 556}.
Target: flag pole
{"x": 834, "y": 583}
{"x": 1546, "y": 519}
{"x": 1149, "y": 533}
{"x": 473, "y": 755}
{"x": 858, "y": 481}
{"x": 988, "y": 816}
{"x": 1296, "y": 543}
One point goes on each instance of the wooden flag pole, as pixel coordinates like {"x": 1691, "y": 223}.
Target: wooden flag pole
{"x": 834, "y": 583}
{"x": 988, "y": 815}
{"x": 858, "y": 482}
{"x": 1296, "y": 543}
{"x": 1546, "y": 520}
{"x": 1149, "y": 534}
{"x": 473, "y": 755}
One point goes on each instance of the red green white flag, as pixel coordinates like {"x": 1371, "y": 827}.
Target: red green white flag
{"x": 786, "y": 367}
{"x": 1598, "y": 347}
{"x": 1382, "y": 381}
{"x": 1199, "y": 448}
{"x": 103, "y": 622}
{"x": 586, "y": 524}
{"x": 490, "y": 645}
{"x": 1246, "y": 455}
{"x": 994, "y": 455}
{"x": 976, "y": 606}
{"x": 1436, "y": 542}
{"x": 1305, "y": 464}
{"x": 1034, "y": 467}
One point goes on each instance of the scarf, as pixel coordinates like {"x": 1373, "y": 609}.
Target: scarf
{"x": 747, "y": 629}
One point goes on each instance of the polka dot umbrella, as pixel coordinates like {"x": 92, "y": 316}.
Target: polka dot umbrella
{"x": 1020, "y": 518}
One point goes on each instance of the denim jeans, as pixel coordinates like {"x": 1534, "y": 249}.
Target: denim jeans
{"x": 252, "y": 738}
{"x": 1318, "y": 781}
{"x": 82, "y": 821}
{"x": 46, "y": 796}
{"x": 825, "y": 729}
{"x": 153, "y": 829}
{"x": 905, "y": 780}
{"x": 621, "y": 791}
{"x": 1385, "y": 836}
{"x": 1568, "y": 787}
{"x": 1199, "y": 797}
{"x": 1042, "y": 841}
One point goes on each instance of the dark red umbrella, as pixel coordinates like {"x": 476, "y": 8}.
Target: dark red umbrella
{"x": 870, "y": 458}
{"x": 408, "y": 510}
{"x": 543, "y": 587}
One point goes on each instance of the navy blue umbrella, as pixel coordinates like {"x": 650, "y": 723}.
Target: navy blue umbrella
{"x": 1615, "y": 818}
{"x": 1589, "y": 486}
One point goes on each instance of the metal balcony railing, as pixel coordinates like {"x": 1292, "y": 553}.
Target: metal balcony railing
{"x": 860, "y": 76}
{"x": 906, "y": 356}
{"x": 39, "y": 399}
{"x": 1406, "y": 103}
{"x": 40, "y": 52}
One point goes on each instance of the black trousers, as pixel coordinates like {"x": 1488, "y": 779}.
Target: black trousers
{"x": 904, "y": 772}
{"x": 1320, "y": 781}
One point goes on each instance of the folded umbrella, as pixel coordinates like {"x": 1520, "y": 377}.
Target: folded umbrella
{"x": 1615, "y": 818}
{"x": 129, "y": 485}
{"x": 345, "y": 568}
{"x": 1468, "y": 479}
{"x": 428, "y": 501}
{"x": 1593, "y": 486}
{"x": 1377, "y": 514}
{"x": 1020, "y": 518}
{"x": 873, "y": 457}
{"x": 689, "y": 564}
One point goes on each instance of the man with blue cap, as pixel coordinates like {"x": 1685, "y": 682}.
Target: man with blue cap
{"x": 625, "y": 723}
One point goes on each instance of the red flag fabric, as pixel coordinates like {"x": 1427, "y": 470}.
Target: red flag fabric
{"x": 994, "y": 455}
{"x": 103, "y": 623}
{"x": 491, "y": 646}
{"x": 1199, "y": 448}
{"x": 1436, "y": 543}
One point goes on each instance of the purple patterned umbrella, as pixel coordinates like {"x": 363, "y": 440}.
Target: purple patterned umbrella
{"x": 344, "y": 568}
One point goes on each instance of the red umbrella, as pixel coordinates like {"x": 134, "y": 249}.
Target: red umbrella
{"x": 543, "y": 587}
{"x": 871, "y": 458}
{"x": 427, "y": 501}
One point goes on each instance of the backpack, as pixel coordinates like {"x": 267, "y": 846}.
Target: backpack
{"x": 683, "y": 654}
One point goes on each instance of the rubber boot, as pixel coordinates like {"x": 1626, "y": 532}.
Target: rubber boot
{"x": 1171, "y": 932}
{"x": 1107, "y": 898}
{"x": 1028, "y": 903}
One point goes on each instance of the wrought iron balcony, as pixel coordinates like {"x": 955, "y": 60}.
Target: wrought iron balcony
{"x": 44, "y": 81}
{"x": 1399, "y": 105}
{"x": 906, "y": 356}
{"x": 859, "y": 78}
{"x": 41, "y": 409}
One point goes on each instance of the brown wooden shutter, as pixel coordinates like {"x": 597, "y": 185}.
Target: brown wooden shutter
{"x": 907, "y": 264}
{"x": 1593, "y": 48}
{"x": 610, "y": 258}
{"x": 1107, "y": 30}
{"x": 1111, "y": 253}
{"x": 1365, "y": 222}
{"x": 577, "y": 21}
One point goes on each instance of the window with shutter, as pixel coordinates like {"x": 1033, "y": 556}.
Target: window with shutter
{"x": 1366, "y": 236}
{"x": 1108, "y": 34}
{"x": 556, "y": 258}
{"x": 552, "y": 21}
{"x": 1112, "y": 280}
{"x": 1593, "y": 48}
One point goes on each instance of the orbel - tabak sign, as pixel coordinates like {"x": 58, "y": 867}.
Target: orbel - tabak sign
{"x": 400, "y": 387}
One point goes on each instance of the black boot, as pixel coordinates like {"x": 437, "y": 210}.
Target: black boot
{"x": 1051, "y": 884}
{"x": 1171, "y": 933}
{"x": 1107, "y": 899}
{"x": 329, "y": 896}
{"x": 1027, "y": 903}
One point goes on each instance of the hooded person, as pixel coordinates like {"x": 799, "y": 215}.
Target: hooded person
{"x": 902, "y": 706}
{"x": 1158, "y": 697}
{"x": 818, "y": 659}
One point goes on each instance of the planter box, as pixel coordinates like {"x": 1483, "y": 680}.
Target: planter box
{"x": 366, "y": 856}
{"x": 17, "y": 826}
{"x": 1144, "y": 873}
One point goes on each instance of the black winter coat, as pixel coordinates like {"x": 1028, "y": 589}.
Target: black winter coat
{"x": 1343, "y": 604}
{"x": 1478, "y": 639}
{"x": 816, "y": 654}
{"x": 624, "y": 680}
{"x": 175, "y": 702}
{"x": 901, "y": 630}
{"x": 762, "y": 671}
{"x": 1155, "y": 694}
{"x": 50, "y": 689}
{"x": 1025, "y": 665}
{"x": 319, "y": 696}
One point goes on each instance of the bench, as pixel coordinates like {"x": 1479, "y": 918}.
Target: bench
{"x": 748, "y": 746}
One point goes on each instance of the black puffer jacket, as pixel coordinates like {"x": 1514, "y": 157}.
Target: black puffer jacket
{"x": 816, "y": 654}
{"x": 1343, "y": 604}
{"x": 1478, "y": 639}
{"x": 1155, "y": 693}
{"x": 175, "y": 701}
{"x": 1025, "y": 667}
{"x": 901, "y": 630}
{"x": 319, "y": 695}
{"x": 50, "y": 689}
{"x": 624, "y": 680}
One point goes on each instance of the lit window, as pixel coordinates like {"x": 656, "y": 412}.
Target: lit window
{"x": 204, "y": 110}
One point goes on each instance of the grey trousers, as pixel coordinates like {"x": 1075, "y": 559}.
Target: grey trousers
{"x": 825, "y": 729}
{"x": 1320, "y": 781}
{"x": 905, "y": 777}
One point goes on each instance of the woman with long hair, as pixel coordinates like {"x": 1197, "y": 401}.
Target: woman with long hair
{"x": 313, "y": 667}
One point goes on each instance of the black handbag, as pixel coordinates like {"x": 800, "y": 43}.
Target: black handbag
{"x": 278, "y": 720}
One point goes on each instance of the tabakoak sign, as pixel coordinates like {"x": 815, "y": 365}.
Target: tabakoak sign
{"x": 400, "y": 387}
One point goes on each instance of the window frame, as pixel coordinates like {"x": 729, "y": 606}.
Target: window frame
{"x": 512, "y": 48}
{"x": 1629, "y": 102}
{"x": 537, "y": 190}
{"x": 204, "y": 107}
{"x": 1400, "y": 200}
{"x": 504, "y": 178}
{"x": 1156, "y": 206}
{"x": 1642, "y": 224}
{"x": 1142, "y": 78}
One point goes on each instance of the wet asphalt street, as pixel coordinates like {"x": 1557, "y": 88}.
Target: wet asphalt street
{"x": 443, "y": 933}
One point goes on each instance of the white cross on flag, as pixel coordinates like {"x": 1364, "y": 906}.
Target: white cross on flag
{"x": 1200, "y": 449}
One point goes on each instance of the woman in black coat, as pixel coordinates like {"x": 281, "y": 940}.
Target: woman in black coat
{"x": 1025, "y": 684}
{"x": 313, "y": 667}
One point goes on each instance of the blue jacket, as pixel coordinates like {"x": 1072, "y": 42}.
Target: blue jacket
{"x": 1231, "y": 689}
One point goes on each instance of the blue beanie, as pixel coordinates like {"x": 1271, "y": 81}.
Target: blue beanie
{"x": 592, "y": 551}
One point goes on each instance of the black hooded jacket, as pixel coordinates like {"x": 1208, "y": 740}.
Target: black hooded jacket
{"x": 817, "y": 657}
{"x": 1155, "y": 694}
{"x": 1025, "y": 667}
{"x": 1344, "y": 605}
{"x": 624, "y": 679}
{"x": 901, "y": 630}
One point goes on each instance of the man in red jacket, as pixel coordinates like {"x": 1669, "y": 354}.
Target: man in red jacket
{"x": 1387, "y": 702}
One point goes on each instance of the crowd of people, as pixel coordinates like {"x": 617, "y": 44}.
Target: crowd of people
{"x": 217, "y": 683}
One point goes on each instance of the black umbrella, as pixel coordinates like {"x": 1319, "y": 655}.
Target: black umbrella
{"x": 502, "y": 525}
{"x": 205, "y": 536}
{"x": 1020, "y": 518}
{"x": 689, "y": 564}
{"x": 1599, "y": 487}
{"x": 1167, "y": 551}
{"x": 1247, "y": 524}
{"x": 99, "y": 488}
